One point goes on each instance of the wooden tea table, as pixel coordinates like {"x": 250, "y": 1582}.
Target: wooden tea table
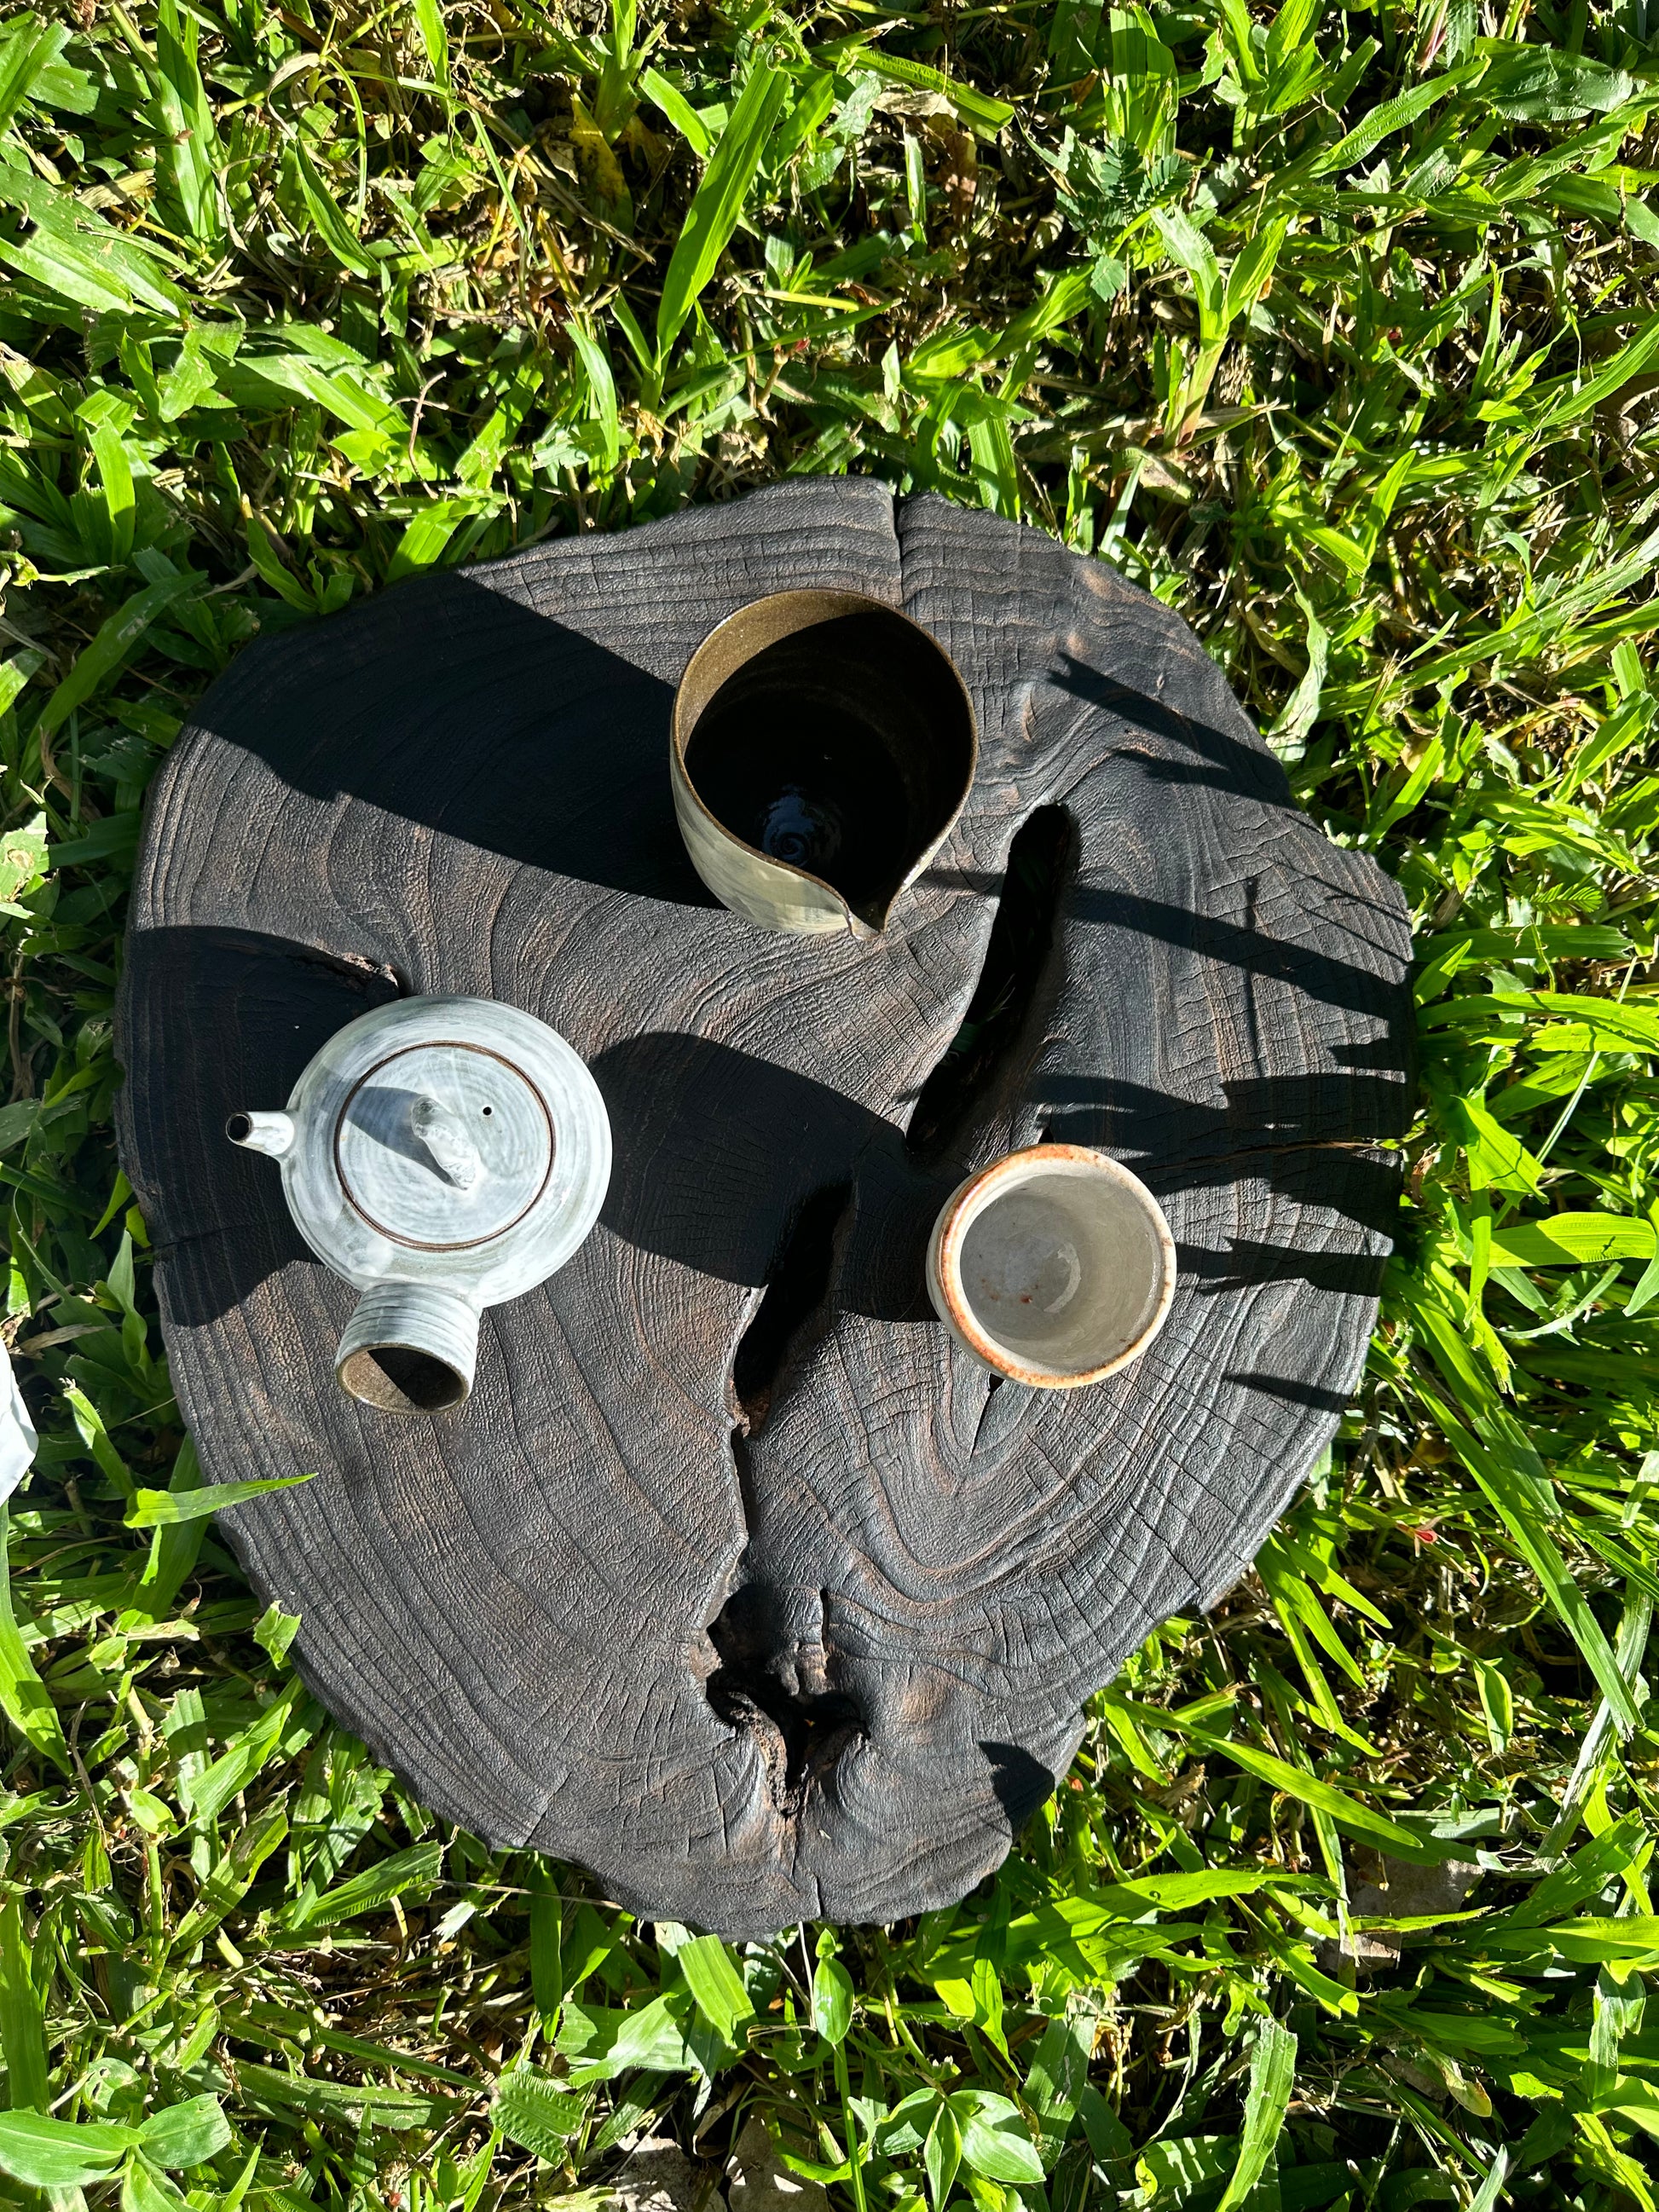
{"x": 762, "y": 1603}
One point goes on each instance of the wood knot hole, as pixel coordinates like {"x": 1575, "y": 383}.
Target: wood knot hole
{"x": 783, "y": 1693}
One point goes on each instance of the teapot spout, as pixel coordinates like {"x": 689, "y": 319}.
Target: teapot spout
{"x": 261, "y": 1133}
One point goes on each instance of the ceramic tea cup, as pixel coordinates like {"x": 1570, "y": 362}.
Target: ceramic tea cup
{"x": 822, "y": 745}
{"x": 1054, "y": 1266}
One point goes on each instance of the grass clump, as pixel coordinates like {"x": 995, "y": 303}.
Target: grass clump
{"x": 1339, "y": 331}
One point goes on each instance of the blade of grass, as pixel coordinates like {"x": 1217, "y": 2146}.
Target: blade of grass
{"x": 1272, "y": 2075}
{"x": 718, "y": 203}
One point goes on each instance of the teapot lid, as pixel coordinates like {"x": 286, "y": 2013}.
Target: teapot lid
{"x": 444, "y": 1145}
{"x": 446, "y": 1140}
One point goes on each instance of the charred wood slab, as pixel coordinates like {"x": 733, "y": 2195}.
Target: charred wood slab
{"x": 735, "y": 1581}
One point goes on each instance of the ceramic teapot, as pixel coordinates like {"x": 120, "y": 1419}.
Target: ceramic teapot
{"x": 442, "y": 1155}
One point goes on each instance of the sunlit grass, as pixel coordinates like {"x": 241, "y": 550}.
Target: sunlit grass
{"x": 1339, "y": 332}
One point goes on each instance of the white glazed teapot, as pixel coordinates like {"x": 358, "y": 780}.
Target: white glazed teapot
{"x": 443, "y": 1155}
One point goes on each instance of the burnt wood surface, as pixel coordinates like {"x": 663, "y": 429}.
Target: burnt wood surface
{"x": 735, "y": 1581}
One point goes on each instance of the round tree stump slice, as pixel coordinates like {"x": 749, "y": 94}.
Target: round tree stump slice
{"x": 735, "y": 1581}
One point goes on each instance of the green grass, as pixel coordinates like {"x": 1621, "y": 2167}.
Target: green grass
{"x": 1339, "y": 332}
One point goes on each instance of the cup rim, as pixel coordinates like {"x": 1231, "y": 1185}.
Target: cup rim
{"x": 963, "y": 1207}
{"x": 843, "y": 602}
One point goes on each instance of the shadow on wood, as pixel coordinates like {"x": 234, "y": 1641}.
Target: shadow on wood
{"x": 478, "y": 717}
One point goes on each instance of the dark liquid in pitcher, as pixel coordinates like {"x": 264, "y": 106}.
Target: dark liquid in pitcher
{"x": 802, "y": 754}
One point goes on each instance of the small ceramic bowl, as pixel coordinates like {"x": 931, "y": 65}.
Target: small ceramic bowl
{"x": 1054, "y": 1266}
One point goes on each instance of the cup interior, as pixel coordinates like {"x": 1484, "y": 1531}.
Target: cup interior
{"x": 843, "y": 748}
{"x": 1064, "y": 1269}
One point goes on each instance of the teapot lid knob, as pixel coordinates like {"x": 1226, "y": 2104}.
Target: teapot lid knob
{"x": 444, "y": 1134}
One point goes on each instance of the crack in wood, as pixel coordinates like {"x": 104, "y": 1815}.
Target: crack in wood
{"x": 797, "y": 1291}
{"x": 1042, "y": 859}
